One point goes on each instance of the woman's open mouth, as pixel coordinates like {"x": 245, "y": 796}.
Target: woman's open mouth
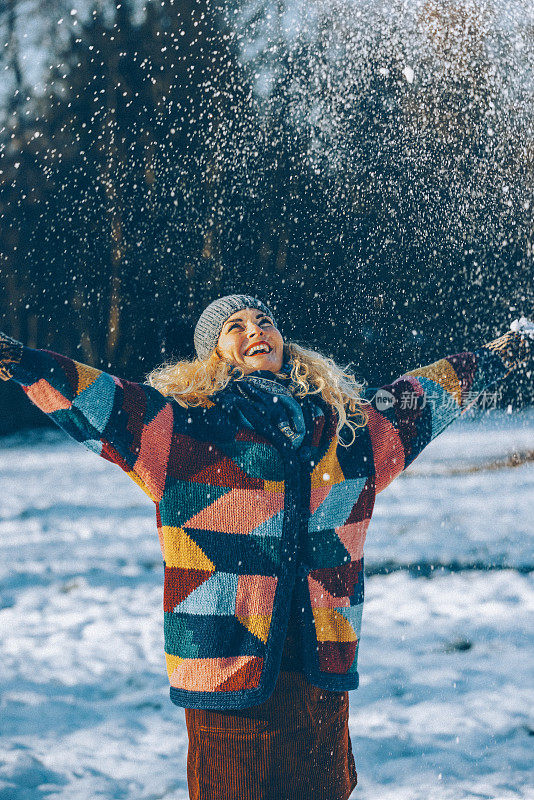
{"x": 258, "y": 348}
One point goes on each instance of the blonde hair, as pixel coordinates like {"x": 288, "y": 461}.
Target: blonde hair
{"x": 192, "y": 383}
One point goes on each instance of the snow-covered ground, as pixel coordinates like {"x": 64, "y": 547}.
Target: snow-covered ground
{"x": 446, "y": 659}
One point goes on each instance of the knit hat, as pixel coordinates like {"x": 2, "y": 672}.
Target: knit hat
{"x": 209, "y": 325}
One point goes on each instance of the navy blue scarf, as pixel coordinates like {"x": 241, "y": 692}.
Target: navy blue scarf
{"x": 262, "y": 396}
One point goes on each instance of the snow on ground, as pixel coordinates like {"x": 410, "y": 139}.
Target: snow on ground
{"x": 445, "y": 659}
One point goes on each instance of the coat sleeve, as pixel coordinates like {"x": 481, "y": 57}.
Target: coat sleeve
{"x": 409, "y": 413}
{"x": 129, "y": 424}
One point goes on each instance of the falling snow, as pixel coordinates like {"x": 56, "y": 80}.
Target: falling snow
{"x": 366, "y": 167}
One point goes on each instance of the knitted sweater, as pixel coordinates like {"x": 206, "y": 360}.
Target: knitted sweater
{"x": 245, "y": 520}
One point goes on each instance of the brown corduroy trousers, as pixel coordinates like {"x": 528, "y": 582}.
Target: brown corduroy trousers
{"x": 294, "y": 746}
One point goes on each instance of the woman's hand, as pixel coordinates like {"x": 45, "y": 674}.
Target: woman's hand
{"x": 515, "y": 346}
{"x": 10, "y": 354}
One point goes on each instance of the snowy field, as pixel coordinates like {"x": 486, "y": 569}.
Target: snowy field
{"x": 446, "y": 659}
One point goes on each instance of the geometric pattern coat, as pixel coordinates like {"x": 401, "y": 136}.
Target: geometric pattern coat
{"x": 244, "y": 519}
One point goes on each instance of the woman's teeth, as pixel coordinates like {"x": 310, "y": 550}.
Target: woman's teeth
{"x": 261, "y": 348}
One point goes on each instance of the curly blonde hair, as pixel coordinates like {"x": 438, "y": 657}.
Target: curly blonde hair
{"x": 192, "y": 383}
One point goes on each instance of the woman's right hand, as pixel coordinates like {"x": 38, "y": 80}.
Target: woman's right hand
{"x": 10, "y": 354}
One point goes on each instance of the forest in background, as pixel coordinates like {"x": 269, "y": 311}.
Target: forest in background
{"x": 374, "y": 188}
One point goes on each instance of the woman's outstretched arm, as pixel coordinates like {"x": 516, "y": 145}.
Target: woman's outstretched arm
{"x": 128, "y": 423}
{"x": 407, "y": 414}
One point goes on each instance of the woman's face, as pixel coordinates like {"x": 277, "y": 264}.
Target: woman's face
{"x": 250, "y": 341}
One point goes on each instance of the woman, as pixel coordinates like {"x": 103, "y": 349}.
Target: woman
{"x": 263, "y": 461}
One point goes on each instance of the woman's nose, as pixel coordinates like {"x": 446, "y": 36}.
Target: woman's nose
{"x": 252, "y": 329}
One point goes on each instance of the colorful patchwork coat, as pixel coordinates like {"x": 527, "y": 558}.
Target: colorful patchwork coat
{"x": 244, "y": 520}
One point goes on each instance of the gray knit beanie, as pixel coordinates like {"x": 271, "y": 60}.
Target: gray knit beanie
{"x": 209, "y": 325}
